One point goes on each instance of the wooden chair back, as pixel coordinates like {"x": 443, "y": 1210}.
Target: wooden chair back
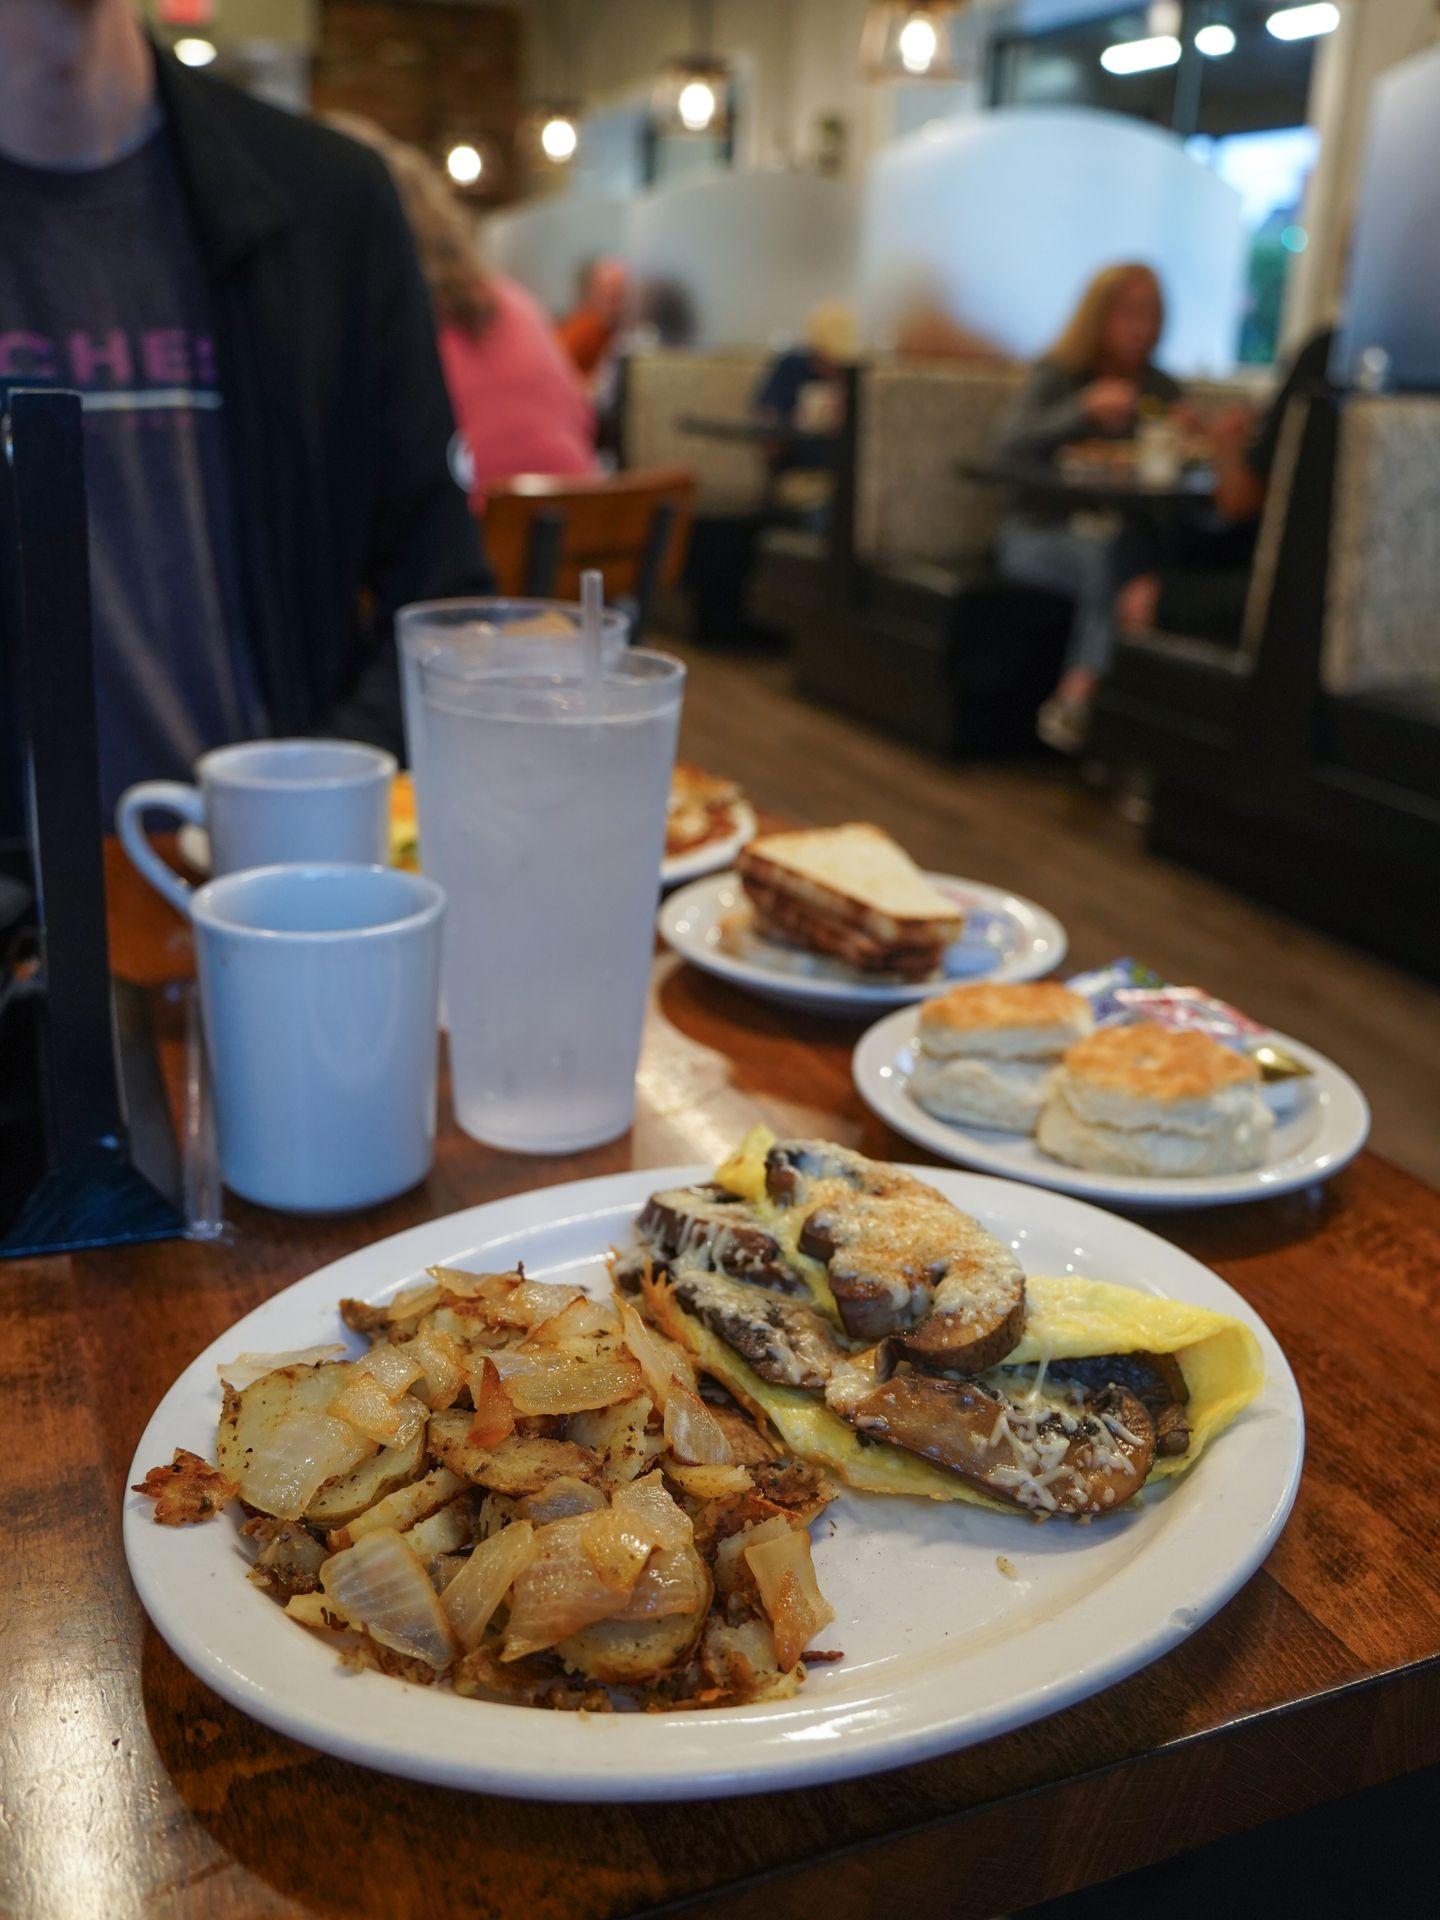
{"x": 542, "y": 532}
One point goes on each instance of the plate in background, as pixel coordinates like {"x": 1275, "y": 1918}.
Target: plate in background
{"x": 1006, "y": 938}
{"x": 1327, "y": 1128}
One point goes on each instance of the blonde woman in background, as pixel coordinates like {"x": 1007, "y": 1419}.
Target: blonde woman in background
{"x": 518, "y": 403}
{"x": 1089, "y": 386}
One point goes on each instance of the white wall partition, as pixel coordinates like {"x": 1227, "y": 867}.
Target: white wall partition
{"x": 754, "y": 252}
{"x": 544, "y": 243}
{"x": 1002, "y": 218}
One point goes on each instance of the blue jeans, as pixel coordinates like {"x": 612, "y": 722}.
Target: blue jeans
{"x": 1088, "y": 568}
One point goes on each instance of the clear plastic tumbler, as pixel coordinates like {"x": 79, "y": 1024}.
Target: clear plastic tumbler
{"x": 545, "y": 802}
{"x": 465, "y": 629}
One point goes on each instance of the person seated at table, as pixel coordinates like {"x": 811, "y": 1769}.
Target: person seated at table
{"x": 801, "y": 395}
{"x": 1090, "y": 385}
{"x": 234, "y": 290}
{"x": 518, "y": 402}
{"x": 1201, "y": 592}
{"x": 594, "y": 323}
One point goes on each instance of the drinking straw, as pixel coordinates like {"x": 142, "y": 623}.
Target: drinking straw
{"x": 592, "y": 606}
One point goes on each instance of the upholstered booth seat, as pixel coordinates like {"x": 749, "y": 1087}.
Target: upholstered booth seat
{"x": 1380, "y": 666}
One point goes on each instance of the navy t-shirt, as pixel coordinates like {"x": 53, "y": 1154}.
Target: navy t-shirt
{"x": 102, "y": 290}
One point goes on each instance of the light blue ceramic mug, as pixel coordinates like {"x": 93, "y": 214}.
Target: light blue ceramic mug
{"x": 320, "y": 991}
{"x": 266, "y": 801}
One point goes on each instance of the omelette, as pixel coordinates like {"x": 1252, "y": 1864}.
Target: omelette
{"x": 885, "y": 1336}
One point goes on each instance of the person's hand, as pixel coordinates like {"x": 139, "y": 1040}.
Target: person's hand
{"x": 1233, "y": 429}
{"x": 1136, "y": 602}
{"x": 1111, "y": 404}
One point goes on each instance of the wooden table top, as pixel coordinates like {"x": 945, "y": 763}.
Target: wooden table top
{"x": 127, "y": 1787}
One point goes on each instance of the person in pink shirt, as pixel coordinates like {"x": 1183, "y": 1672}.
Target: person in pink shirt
{"x": 519, "y": 405}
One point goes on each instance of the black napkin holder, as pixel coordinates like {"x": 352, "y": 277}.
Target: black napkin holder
{"x": 87, "y": 1155}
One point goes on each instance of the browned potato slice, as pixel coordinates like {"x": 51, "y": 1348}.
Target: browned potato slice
{"x": 345, "y": 1498}
{"x": 402, "y": 1509}
{"x": 518, "y": 1465}
{"x": 617, "y": 1651}
{"x": 273, "y": 1437}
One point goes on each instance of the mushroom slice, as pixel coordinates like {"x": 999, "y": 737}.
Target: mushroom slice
{"x": 785, "y": 1342}
{"x": 1156, "y": 1381}
{"x": 703, "y": 1226}
{"x": 902, "y": 1262}
{"x": 1062, "y": 1451}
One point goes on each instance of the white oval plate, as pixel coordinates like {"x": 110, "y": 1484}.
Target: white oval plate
{"x": 1326, "y": 1129}
{"x": 1007, "y": 938}
{"x": 941, "y": 1648}
{"x": 194, "y": 844}
{"x": 711, "y": 855}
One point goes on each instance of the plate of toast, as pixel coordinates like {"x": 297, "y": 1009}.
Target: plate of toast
{"x": 841, "y": 920}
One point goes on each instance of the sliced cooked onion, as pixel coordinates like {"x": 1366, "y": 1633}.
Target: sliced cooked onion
{"x": 710, "y": 1483}
{"x": 659, "y": 1359}
{"x": 414, "y": 1301}
{"x": 692, "y": 1432}
{"x": 583, "y": 1320}
{"x": 562, "y": 1500}
{"x": 293, "y": 1459}
{"x": 476, "y": 1591}
{"x": 442, "y": 1367}
{"x": 648, "y": 1508}
{"x": 558, "y": 1593}
{"x": 391, "y": 1420}
{"x": 541, "y": 1381}
{"x": 674, "y": 1581}
{"x": 381, "y": 1586}
{"x": 789, "y": 1592}
{"x": 731, "y": 1570}
{"x": 494, "y": 1412}
{"x": 393, "y": 1365}
{"x": 246, "y": 1368}
{"x": 616, "y": 1550}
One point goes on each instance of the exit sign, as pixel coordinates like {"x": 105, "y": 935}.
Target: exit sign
{"x": 186, "y": 13}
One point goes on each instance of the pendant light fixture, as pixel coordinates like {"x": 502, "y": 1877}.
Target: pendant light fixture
{"x": 693, "y": 94}
{"x": 912, "y": 40}
{"x": 550, "y": 128}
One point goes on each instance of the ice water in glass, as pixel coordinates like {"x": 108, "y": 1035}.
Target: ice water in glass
{"x": 461, "y": 631}
{"x": 545, "y": 806}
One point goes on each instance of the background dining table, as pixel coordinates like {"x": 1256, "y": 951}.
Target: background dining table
{"x": 127, "y": 1787}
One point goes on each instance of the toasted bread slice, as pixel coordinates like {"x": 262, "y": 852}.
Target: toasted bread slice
{"x": 843, "y": 888}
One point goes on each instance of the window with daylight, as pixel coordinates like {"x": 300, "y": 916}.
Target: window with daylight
{"x": 1230, "y": 77}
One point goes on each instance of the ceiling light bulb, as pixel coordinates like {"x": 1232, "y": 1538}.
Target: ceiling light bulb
{"x": 558, "y": 138}
{"x": 194, "y": 53}
{"x": 1215, "y": 41}
{"x": 918, "y": 44}
{"x": 1141, "y": 56}
{"x": 1304, "y": 23}
{"x": 464, "y": 165}
{"x": 696, "y": 106}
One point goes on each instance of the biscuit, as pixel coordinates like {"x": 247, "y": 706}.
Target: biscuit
{"x": 1151, "y": 1076}
{"x": 1031, "y": 1022}
{"x": 1240, "y": 1141}
{"x": 1004, "y": 1094}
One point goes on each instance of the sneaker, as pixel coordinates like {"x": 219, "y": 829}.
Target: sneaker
{"x": 1063, "y": 724}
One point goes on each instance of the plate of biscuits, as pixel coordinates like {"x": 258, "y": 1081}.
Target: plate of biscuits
{"x": 1020, "y": 1080}
{"x": 841, "y": 920}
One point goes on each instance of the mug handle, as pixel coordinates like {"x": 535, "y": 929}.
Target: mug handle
{"x": 168, "y": 796}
